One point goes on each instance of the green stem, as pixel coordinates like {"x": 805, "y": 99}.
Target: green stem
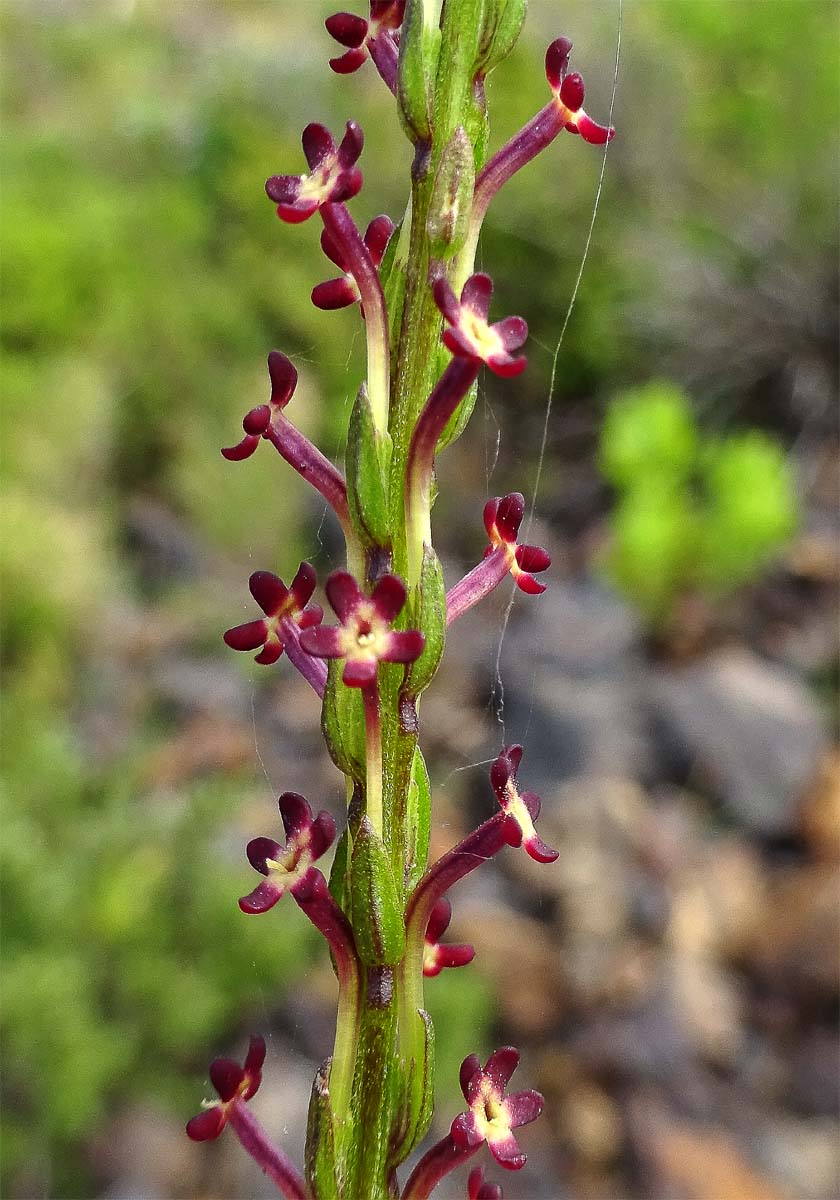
{"x": 373, "y": 757}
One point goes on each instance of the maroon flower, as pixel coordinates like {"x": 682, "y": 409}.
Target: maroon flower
{"x": 365, "y": 637}
{"x": 286, "y": 867}
{"x": 568, "y": 95}
{"x": 339, "y": 293}
{"x": 477, "y": 1189}
{"x": 521, "y": 810}
{"x": 470, "y": 336}
{"x": 436, "y": 956}
{"x": 333, "y": 175}
{"x": 502, "y": 518}
{"x": 257, "y": 422}
{"x": 280, "y": 604}
{"x": 492, "y": 1115}
{"x": 357, "y": 34}
{"x": 233, "y": 1083}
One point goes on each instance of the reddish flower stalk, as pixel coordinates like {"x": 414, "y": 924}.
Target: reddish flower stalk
{"x": 270, "y": 422}
{"x": 438, "y": 1162}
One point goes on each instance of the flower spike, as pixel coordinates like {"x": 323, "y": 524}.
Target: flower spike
{"x": 436, "y": 956}
{"x": 492, "y": 1115}
{"x": 281, "y": 605}
{"x": 477, "y": 1189}
{"x": 365, "y": 637}
{"x": 333, "y": 177}
{"x": 342, "y": 292}
{"x": 232, "y": 1083}
{"x": 468, "y": 334}
{"x": 286, "y": 867}
{"x": 521, "y": 810}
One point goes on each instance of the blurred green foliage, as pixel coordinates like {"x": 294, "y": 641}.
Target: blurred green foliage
{"x": 692, "y": 513}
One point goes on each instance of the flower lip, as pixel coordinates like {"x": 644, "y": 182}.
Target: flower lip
{"x": 286, "y": 867}
{"x": 569, "y": 93}
{"x": 502, "y": 519}
{"x": 521, "y": 809}
{"x": 365, "y": 637}
{"x": 492, "y": 1115}
{"x": 469, "y": 335}
{"x": 333, "y": 175}
{"x": 436, "y": 956}
{"x": 279, "y": 604}
{"x": 232, "y": 1083}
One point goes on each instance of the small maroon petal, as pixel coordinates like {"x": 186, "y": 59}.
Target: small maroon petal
{"x": 439, "y": 920}
{"x": 388, "y": 13}
{"x": 506, "y": 1152}
{"x": 360, "y": 672}
{"x": 470, "y": 1068}
{"x": 377, "y": 236}
{"x": 283, "y": 376}
{"x": 539, "y": 850}
{"x": 533, "y": 558}
{"x": 572, "y": 91}
{"x": 207, "y": 1125}
{"x": 477, "y": 1189}
{"x": 557, "y": 62}
{"x": 313, "y": 614}
{"x": 344, "y": 594}
{"x": 322, "y": 641}
{"x": 500, "y": 773}
{"x": 404, "y": 646}
{"x": 509, "y": 515}
{"x": 271, "y": 651}
{"x": 295, "y": 814}
{"x": 477, "y": 293}
{"x": 269, "y": 591}
{"x": 347, "y": 63}
{"x": 512, "y": 831}
{"x": 463, "y": 1131}
{"x": 521, "y": 1108}
{"x": 323, "y": 834}
{"x": 263, "y": 897}
{"x": 513, "y": 331}
{"x": 318, "y": 145}
{"x": 491, "y": 508}
{"x": 226, "y": 1076}
{"x": 241, "y": 450}
{"x": 351, "y": 145}
{"x": 388, "y": 597}
{"x": 332, "y": 250}
{"x": 446, "y": 300}
{"x": 533, "y": 804}
{"x": 513, "y": 754}
{"x": 456, "y": 955}
{"x": 260, "y": 849}
{"x": 334, "y": 294}
{"x": 303, "y": 584}
{"x": 282, "y": 189}
{"x": 255, "y": 1057}
{"x": 527, "y": 583}
{"x": 347, "y": 185}
{"x": 246, "y": 637}
{"x": 506, "y": 367}
{"x": 347, "y": 29}
{"x": 257, "y": 420}
{"x": 500, "y": 1066}
{"x": 592, "y": 132}
{"x": 294, "y": 214}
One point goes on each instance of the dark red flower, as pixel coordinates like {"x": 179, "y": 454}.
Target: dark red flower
{"x": 568, "y": 95}
{"x": 477, "y": 1189}
{"x": 284, "y": 377}
{"x": 502, "y": 518}
{"x": 280, "y": 604}
{"x": 232, "y": 1083}
{"x": 492, "y": 1115}
{"x": 286, "y": 867}
{"x": 339, "y": 293}
{"x": 333, "y": 175}
{"x": 356, "y": 33}
{"x": 365, "y": 637}
{"x": 521, "y": 810}
{"x": 436, "y": 956}
{"x": 468, "y": 334}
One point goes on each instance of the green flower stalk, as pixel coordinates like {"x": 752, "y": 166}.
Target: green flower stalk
{"x": 428, "y": 334}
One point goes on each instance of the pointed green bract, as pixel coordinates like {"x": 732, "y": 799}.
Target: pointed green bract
{"x": 375, "y": 901}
